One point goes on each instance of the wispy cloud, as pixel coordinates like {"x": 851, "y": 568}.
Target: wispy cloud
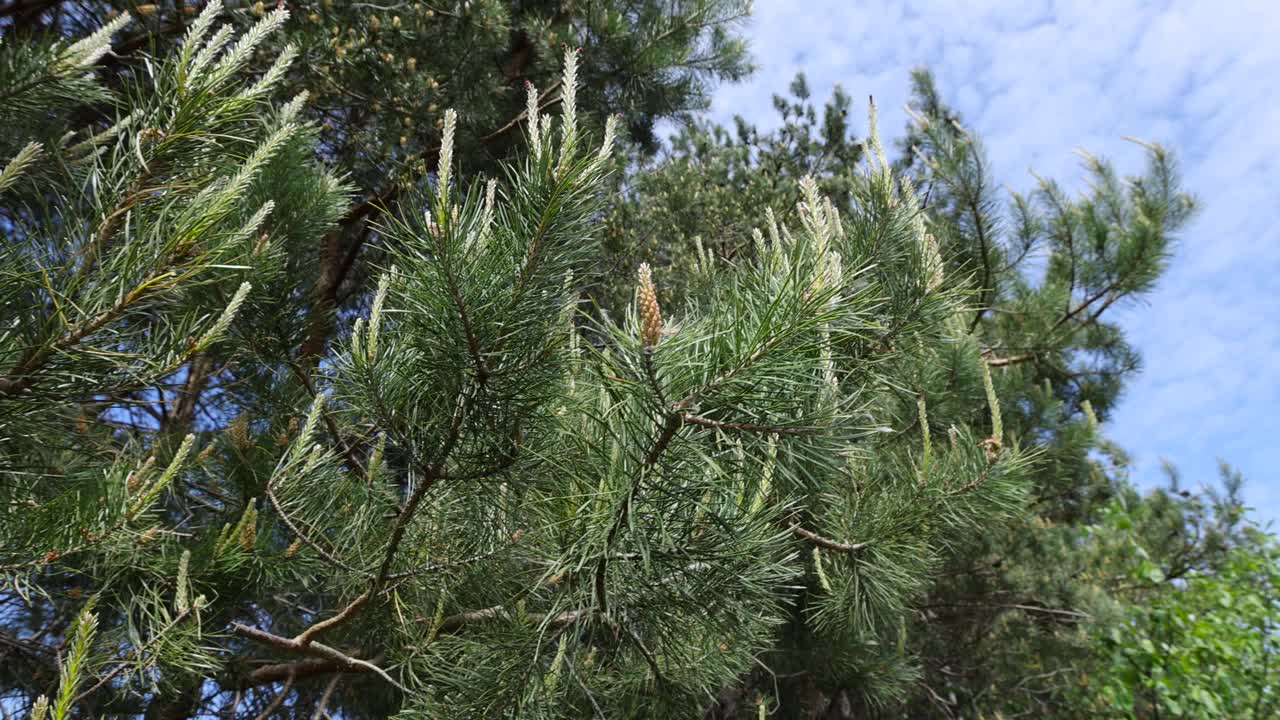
{"x": 1037, "y": 80}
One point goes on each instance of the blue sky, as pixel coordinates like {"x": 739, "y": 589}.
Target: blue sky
{"x": 1039, "y": 79}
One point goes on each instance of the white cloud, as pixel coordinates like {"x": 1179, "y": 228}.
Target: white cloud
{"x": 1037, "y": 80}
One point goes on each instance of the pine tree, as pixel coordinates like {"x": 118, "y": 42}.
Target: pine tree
{"x": 483, "y": 503}
{"x": 1010, "y": 621}
{"x": 706, "y": 189}
{"x": 1008, "y": 626}
{"x": 380, "y": 77}
{"x": 131, "y": 248}
{"x": 823, "y": 447}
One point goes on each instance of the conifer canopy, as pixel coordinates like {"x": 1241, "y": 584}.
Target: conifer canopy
{"x": 307, "y": 410}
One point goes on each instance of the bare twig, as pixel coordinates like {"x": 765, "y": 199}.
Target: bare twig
{"x": 302, "y": 669}
{"x": 315, "y": 649}
{"x": 277, "y": 700}
{"x": 288, "y": 521}
{"x": 305, "y": 637}
{"x": 994, "y": 361}
{"x": 826, "y": 542}
{"x": 320, "y": 714}
{"x": 746, "y": 427}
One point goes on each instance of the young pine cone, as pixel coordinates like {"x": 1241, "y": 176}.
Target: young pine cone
{"x": 991, "y": 448}
{"x": 647, "y": 305}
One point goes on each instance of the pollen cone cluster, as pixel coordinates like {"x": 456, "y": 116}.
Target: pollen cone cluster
{"x": 647, "y": 305}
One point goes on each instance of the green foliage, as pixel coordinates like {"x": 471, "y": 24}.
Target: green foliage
{"x": 1013, "y": 616}
{"x": 487, "y": 497}
{"x": 835, "y": 453}
{"x": 916, "y": 349}
{"x": 76, "y": 665}
{"x": 133, "y": 245}
{"x": 702, "y": 198}
{"x": 379, "y": 78}
{"x": 1200, "y": 646}
{"x": 1004, "y": 624}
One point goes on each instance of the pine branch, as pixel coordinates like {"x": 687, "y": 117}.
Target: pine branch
{"x": 134, "y": 655}
{"x": 23, "y": 375}
{"x": 455, "y": 623}
{"x": 277, "y": 700}
{"x": 460, "y": 306}
{"x": 376, "y": 202}
{"x": 674, "y": 419}
{"x": 586, "y": 691}
{"x": 430, "y": 475}
{"x": 434, "y": 469}
{"x": 311, "y": 543}
{"x": 994, "y": 361}
{"x": 433, "y": 566}
{"x": 658, "y": 677}
{"x": 746, "y": 427}
{"x": 333, "y": 273}
{"x": 315, "y": 649}
{"x": 991, "y": 446}
{"x": 302, "y": 669}
{"x": 348, "y": 451}
{"x": 459, "y": 621}
{"x": 306, "y": 636}
{"x": 1110, "y": 295}
{"x": 1074, "y": 614}
{"x": 1087, "y": 302}
{"x": 32, "y": 84}
{"x": 987, "y": 277}
{"x": 91, "y": 253}
{"x": 320, "y": 713}
{"x": 651, "y": 374}
{"x": 826, "y": 542}
{"x": 660, "y": 444}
